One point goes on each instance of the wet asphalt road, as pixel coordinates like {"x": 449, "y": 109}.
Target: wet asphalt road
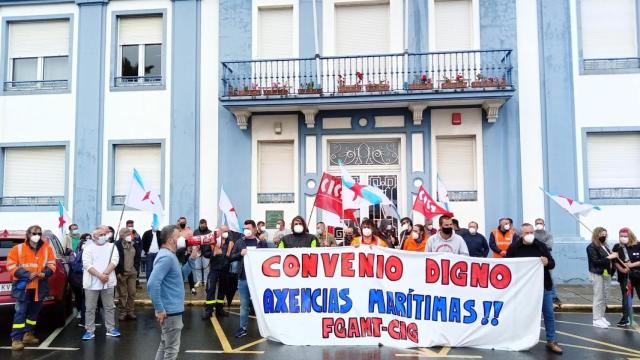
{"x": 201, "y": 339}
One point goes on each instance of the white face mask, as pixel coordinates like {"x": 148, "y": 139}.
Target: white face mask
{"x": 247, "y": 232}
{"x": 181, "y": 243}
{"x": 528, "y": 239}
{"x": 130, "y": 228}
{"x": 366, "y": 232}
{"x": 539, "y": 227}
{"x": 472, "y": 231}
{"x": 506, "y": 227}
{"x": 298, "y": 228}
{"x": 415, "y": 235}
{"x": 263, "y": 228}
{"x": 429, "y": 227}
{"x": 225, "y": 235}
{"x": 624, "y": 240}
{"x": 389, "y": 227}
{"x": 128, "y": 238}
{"x": 34, "y": 238}
{"x": 101, "y": 240}
{"x": 405, "y": 226}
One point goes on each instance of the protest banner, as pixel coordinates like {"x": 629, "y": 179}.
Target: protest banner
{"x": 371, "y": 296}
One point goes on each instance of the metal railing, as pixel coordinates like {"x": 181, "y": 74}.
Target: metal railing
{"x": 275, "y": 198}
{"x": 35, "y": 85}
{"x": 30, "y": 200}
{"x": 611, "y": 64}
{"x": 124, "y": 81}
{"x": 378, "y": 74}
{"x": 614, "y": 193}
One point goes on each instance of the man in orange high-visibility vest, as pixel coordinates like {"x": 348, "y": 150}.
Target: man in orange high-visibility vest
{"x": 502, "y": 237}
{"x": 30, "y": 264}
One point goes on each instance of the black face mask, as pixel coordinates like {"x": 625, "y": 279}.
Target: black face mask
{"x": 602, "y": 239}
{"x": 447, "y": 231}
{"x": 182, "y": 226}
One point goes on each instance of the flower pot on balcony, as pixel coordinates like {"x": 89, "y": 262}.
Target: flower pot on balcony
{"x": 453, "y": 85}
{"x": 233, "y": 92}
{"x": 378, "y": 87}
{"x": 309, "y": 91}
{"x": 421, "y": 86}
{"x": 250, "y": 92}
{"x": 275, "y": 91}
{"x": 485, "y": 83}
{"x": 349, "y": 88}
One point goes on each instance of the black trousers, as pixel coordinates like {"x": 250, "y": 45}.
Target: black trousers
{"x": 229, "y": 286}
{"x": 215, "y": 291}
{"x": 623, "y": 288}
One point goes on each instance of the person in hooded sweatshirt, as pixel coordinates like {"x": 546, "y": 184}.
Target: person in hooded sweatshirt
{"x": 300, "y": 238}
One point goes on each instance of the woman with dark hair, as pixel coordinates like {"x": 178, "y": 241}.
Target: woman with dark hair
{"x": 416, "y": 240}
{"x": 600, "y": 268}
{"x": 368, "y": 238}
{"x": 300, "y": 237}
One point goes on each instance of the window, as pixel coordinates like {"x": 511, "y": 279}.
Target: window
{"x": 613, "y": 163}
{"x": 362, "y": 29}
{"x": 146, "y": 158}
{"x": 457, "y": 166}
{"x": 140, "y": 50}
{"x": 276, "y": 172}
{"x": 38, "y": 55}
{"x": 454, "y": 25}
{"x": 33, "y": 176}
{"x": 275, "y": 33}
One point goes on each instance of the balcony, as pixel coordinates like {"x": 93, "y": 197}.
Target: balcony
{"x": 35, "y": 85}
{"x": 473, "y": 76}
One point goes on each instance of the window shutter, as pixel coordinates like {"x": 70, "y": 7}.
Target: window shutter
{"x": 454, "y": 25}
{"x": 276, "y": 164}
{"x": 275, "y": 33}
{"x": 38, "y": 38}
{"x": 136, "y": 30}
{"x": 37, "y": 171}
{"x": 362, "y": 29}
{"x": 608, "y": 29}
{"x": 147, "y": 159}
{"x": 457, "y": 162}
{"x": 614, "y": 160}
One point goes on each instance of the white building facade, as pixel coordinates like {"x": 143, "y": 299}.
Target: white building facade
{"x": 498, "y": 98}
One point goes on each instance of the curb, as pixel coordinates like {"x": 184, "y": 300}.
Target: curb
{"x": 147, "y": 302}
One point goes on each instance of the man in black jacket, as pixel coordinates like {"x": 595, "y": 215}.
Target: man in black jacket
{"x": 151, "y": 246}
{"x": 528, "y": 246}
{"x": 127, "y": 272}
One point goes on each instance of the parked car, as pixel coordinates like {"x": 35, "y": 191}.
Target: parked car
{"x": 59, "y": 301}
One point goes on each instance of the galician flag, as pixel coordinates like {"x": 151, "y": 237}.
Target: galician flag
{"x": 230, "y": 214}
{"x": 64, "y": 219}
{"x": 571, "y": 206}
{"x": 141, "y": 197}
{"x": 358, "y": 196}
{"x": 443, "y": 195}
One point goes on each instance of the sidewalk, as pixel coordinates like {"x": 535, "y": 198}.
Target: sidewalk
{"x": 575, "y": 298}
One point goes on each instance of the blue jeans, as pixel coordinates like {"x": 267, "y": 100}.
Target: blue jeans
{"x": 24, "y": 320}
{"x": 149, "y": 264}
{"x": 548, "y": 315}
{"x": 245, "y": 302}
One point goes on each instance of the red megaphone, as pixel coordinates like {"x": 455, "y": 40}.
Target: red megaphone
{"x": 209, "y": 239}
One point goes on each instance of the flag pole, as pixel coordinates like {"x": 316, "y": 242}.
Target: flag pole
{"x": 311, "y": 213}
{"x": 124, "y": 204}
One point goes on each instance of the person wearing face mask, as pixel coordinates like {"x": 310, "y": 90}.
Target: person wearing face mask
{"x": 229, "y": 276}
{"x": 281, "y": 231}
{"x": 368, "y": 238}
{"x": 628, "y": 250}
{"x": 219, "y": 263}
{"x": 184, "y": 253}
{"x": 406, "y": 226}
{"x": 300, "y": 237}
{"x": 166, "y": 291}
{"x": 201, "y": 270}
{"x": 388, "y": 233}
{"x": 99, "y": 260}
{"x": 263, "y": 235}
{"x": 529, "y": 246}
{"x": 600, "y": 269}
{"x": 29, "y": 264}
{"x": 72, "y": 238}
{"x": 546, "y": 238}
{"x": 326, "y": 239}
{"x": 446, "y": 240}
{"x": 476, "y": 242}
{"x": 151, "y": 246}
{"x": 502, "y": 237}
{"x": 429, "y": 228}
{"x": 126, "y": 271}
{"x": 417, "y": 240}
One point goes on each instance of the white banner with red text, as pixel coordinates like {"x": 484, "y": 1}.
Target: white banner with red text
{"x": 371, "y": 296}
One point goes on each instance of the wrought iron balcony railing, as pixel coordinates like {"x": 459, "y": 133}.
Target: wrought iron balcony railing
{"x": 369, "y": 74}
{"x": 149, "y": 80}
{"x": 35, "y": 85}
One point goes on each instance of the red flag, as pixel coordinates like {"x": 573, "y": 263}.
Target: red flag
{"x": 426, "y": 206}
{"x": 329, "y": 195}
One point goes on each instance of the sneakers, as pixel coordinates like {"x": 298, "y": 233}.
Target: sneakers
{"x": 88, "y": 335}
{"x": 79, "y": 316}
{"x": 242, "y": 332}
{"x": 198, "y": 284}
{"x": 113, "y": 332}
{"x": 194, "y": 292}
{"x": 29, "y": 339}
{"x": 206, "y": 314}
{"x": 553, "y": 347}
{"x": 132, "y": 316}
{"x": 17, "y": 345}
{"x": 604, "y": 320}
{"x": 623, "y": 323}
{"x": 600, "y": 324}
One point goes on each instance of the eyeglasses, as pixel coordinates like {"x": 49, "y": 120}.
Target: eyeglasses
{"x": 36, "y": 233}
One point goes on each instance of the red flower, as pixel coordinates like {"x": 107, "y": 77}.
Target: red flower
{"x": 459, "y": 77}
{"x": 359, "y": 75}
{"x": 424, "y": 77}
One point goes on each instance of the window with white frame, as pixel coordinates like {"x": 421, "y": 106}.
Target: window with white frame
{"x": 33, "y": 176}
{"x": 456, "y": 159}
{"x": 146, "y": 158}
{"x": 38, "y": 55}
{"x": 613, "y": 163}
{"x": 276, "y": 172}
{"x": 453, "y": 25}
{"x": 608, "y": 29}
{"x": 139, "y": 50}
{"x": 275, "y": 32}
{"x": 362, "y": 29}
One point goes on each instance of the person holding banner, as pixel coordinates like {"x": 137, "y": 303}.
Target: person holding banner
{"x": 628, "y": 250}
{"x": 601, "y": 269}
{"x": 367, "y": 237}
{"x": 326, "y": 239}
{"x": 237, "y": 255}
{"x": 502, "y": 237}
{"x": 528, "y": 246}
{"x": 417, "y": 240}
{"x": 446, "y": 240}
{"x": 300, "y": 237}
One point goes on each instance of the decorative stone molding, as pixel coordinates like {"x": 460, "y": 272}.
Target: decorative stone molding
{"x": 242, "y": 118}
{"x": 417, "y": 109}
{"x": 492, "y": 107}
{"x": 310, "y": 116}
